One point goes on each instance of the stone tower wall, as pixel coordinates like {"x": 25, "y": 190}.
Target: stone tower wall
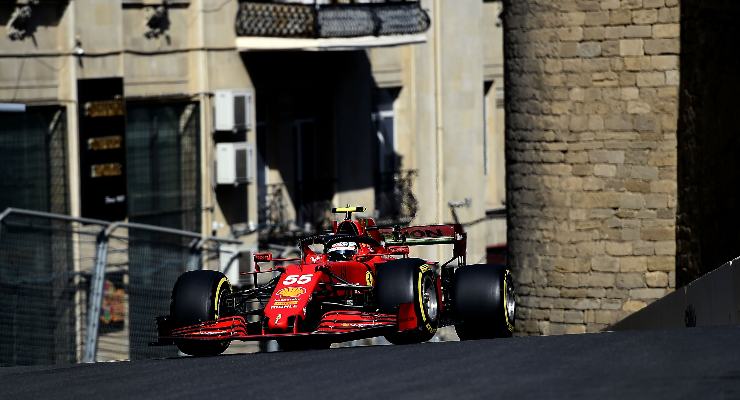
{"x": 592, "y": 104}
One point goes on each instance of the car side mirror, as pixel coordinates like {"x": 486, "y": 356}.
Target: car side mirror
{"x": 398, "y": 250}
{"x": 262, "y": 257}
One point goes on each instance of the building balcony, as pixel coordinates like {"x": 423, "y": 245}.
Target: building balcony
{"x": 322, "y": 26}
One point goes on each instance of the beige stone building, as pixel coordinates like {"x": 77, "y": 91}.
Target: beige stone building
{"x": 405, "y": 120}
{"x": 620, "y": 163}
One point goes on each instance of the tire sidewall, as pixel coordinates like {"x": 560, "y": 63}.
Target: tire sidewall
{"x": 404, "y": 284}
{"x": 481, "y": 300}
{"x": 425, "y": 323}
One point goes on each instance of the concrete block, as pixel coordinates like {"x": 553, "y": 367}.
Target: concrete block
{"x": 638, "y": 31}
{"x": 638, "y": 107}
{"x": 620, "y": 17}
{"x": 648, "y": 16}
{"x": 609, "y": 4}
{"x": 605, "y": 170}
{"x": 614, "y": 32}
{"x": 594, "y": 33}
{"x": 570, "y": 33}
{"x": 573, "y": 316}
{"x": 618, "y": 248}
{"x": 650, "y": 79}
{"x": 666, "y": 30}
{"x": 633, "y": 305}
{"x": 618, "y": 122}
{"x": 672, "y": 78}
{"x": 662, "y": 46}
{"x": 606, "y": 156}
{"x": 631, "y": 4}
{"x": 663, "y": 63}
{"x": 647, "y": 293}
{"x": 589, "y": 49}
{"x": 662, "y": 263}
{"x": 597, "y": 18}
{"x": 631, "y": 280}
{"x": 669, "y": 14}
{"x": 599, "y": 279}
{"x": 631, "y": 47}
{"x": 656, "y": 279}
{"x": 653, "y": 3}
{"x": 630, "y": 93}
{"x": 639, "y": 63}
{"x": 633, "y": 264}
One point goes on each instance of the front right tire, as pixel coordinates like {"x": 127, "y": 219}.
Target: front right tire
{"x": 404, "y": 281}
{"x": 484, "y": 302}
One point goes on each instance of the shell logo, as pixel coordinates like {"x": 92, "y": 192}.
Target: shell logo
{"x": 291, "y": 291}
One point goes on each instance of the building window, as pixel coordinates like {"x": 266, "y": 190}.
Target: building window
{"x": 34, "y": 169}
{"x": 163, "y": 164}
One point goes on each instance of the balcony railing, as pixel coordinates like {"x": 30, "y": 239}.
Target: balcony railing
{"x": 327, "y": 26}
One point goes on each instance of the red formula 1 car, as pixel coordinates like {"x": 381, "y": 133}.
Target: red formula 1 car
{"x": 363, "y": 284}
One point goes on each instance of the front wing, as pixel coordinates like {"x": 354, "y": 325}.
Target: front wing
{"x": 337, "y": 325}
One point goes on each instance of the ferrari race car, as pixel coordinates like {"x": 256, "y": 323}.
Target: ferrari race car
{"x": 356, "y": 282}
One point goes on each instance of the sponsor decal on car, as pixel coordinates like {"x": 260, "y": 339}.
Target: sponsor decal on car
{"x": 285, "y": 302}
{"x": 291, "y": 292}
{"x": 276, "y": 307}
{"x": 425, "y": 232}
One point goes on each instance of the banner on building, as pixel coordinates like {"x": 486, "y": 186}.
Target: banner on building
{"x": 102, "y": 120}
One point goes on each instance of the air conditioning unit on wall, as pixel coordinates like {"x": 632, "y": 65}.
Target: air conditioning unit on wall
{"x": 234, "y": 163}
{"x": 233, "y": 110}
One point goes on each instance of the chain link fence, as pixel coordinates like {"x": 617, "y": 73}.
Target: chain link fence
{"x": 56, "y": 271}
{"x": 330, "y": 21}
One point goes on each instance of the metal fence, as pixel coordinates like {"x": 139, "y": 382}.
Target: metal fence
{"x": 331, "y": 20}
{"x": 82, "y": 290}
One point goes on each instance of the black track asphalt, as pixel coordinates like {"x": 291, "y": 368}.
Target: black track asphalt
{"x": 696, "y": 363}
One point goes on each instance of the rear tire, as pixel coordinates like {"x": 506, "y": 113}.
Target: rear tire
{"x": 196, "y": 298}
{"x": 484, "y": 302}
{"x": 410, "y": 280}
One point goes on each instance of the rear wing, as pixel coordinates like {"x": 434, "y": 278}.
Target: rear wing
{"x": 428, "y": 235}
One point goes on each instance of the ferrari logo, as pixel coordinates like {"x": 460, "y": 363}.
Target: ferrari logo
{"x": 291, "y": 291}
{"x": 369, "y": 278}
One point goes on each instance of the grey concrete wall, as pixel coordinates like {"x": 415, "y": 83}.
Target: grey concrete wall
{"x": 711, "y": 300}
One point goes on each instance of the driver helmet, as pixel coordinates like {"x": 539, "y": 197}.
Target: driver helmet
{"x": 342, "y": 251}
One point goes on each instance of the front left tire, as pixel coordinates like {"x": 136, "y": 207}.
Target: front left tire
{"x": 197, "y": 298}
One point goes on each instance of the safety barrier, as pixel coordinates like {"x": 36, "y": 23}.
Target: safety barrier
{"x": 711, "y": 300}
{"x": 84, "y": 290}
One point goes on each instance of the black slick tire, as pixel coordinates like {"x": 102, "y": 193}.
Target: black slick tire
{"x": 484, "y": 302}
{"x": 409, "y": 280}
{"x": 196, "y": 298}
